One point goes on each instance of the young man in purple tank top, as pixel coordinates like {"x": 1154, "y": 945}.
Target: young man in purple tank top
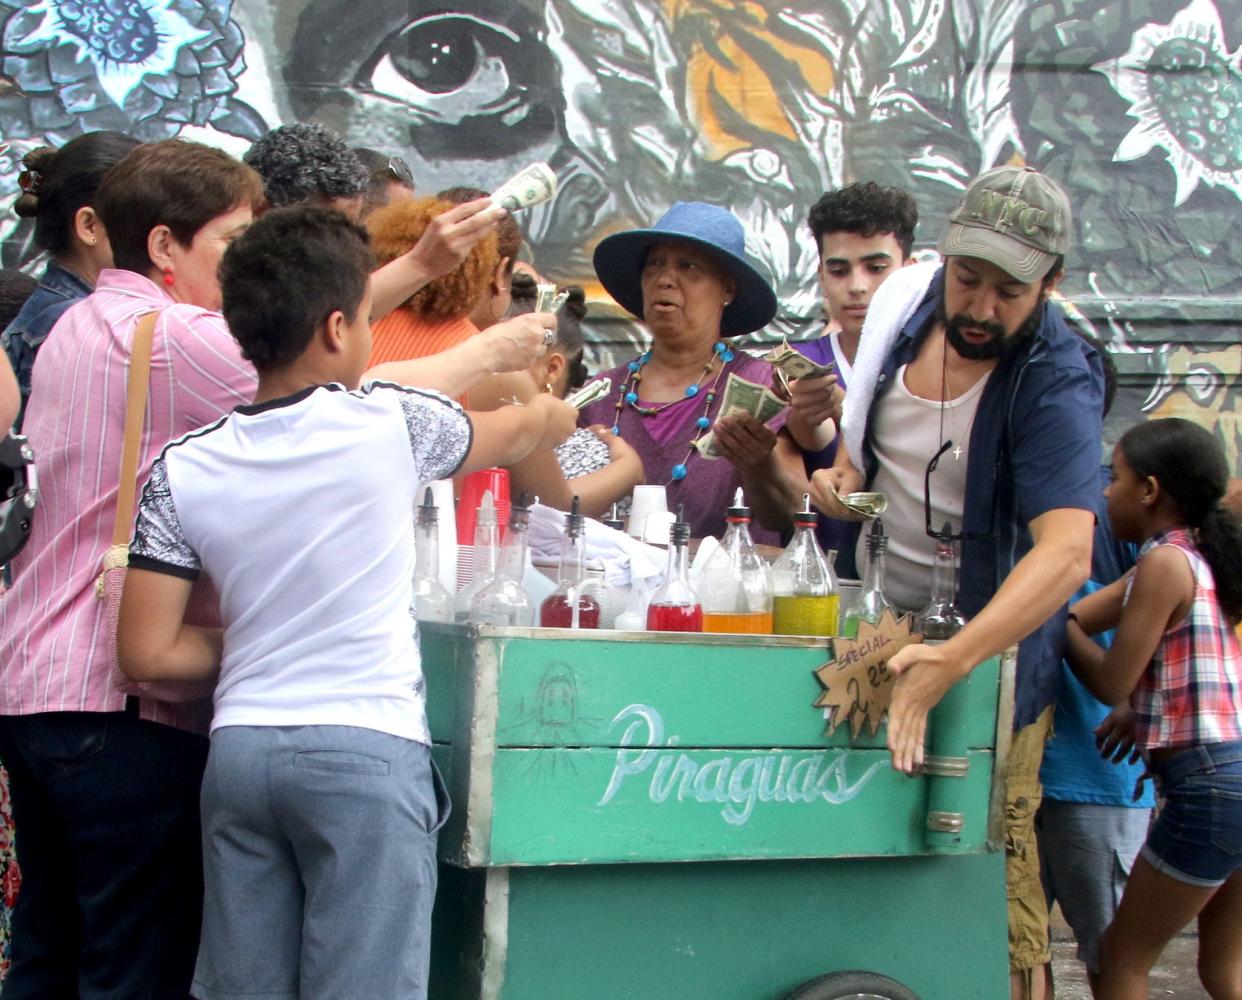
{"x": 863, "y": 233}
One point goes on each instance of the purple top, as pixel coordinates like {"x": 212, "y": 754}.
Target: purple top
{"x": 707, "y": 490}
{"x": 831, "y": 533}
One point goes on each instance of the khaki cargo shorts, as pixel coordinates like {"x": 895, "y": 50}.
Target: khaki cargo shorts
{"x": 1028, "y": 910}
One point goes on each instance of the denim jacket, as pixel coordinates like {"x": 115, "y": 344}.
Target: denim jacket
{"x": 58, "y": 290}
{"x": 1035, "y": 446}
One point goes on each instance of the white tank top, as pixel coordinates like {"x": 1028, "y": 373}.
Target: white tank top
{"x": 907, "y": 434}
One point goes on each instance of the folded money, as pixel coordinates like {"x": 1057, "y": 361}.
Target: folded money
{"x": 589, "y": 393}
{"x": 794, "y": 365}
{"x": 533, "y": 185}
{"x": 548, "y": 299}
{"x": 866, "y": 504}
{"x": 741, "y": 396}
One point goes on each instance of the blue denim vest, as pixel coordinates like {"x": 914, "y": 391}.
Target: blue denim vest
{"x": 58, "y": 290}
{"x": 1036, "y": 446}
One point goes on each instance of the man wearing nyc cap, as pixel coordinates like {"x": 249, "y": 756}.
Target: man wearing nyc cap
{"x": 971, "y": 362}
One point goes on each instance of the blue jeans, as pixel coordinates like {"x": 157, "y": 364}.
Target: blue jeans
{"x": 1197, "y": 836}
{"x": 319, "y": 851}
{"x": 105, "y": 808}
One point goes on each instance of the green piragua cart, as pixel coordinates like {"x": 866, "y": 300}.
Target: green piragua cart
{"x": 663, "y": 816}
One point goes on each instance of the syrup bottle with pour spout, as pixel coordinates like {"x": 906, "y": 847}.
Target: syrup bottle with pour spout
{"x": 736, "y": 584}
{"x": 570, "y": 606}
{"x": 432, "y": 602}
{"x": 675, "y": 606}
{"x": 807, "y": 600}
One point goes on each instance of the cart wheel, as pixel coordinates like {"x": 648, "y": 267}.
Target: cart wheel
{"x": 852, "y": 985}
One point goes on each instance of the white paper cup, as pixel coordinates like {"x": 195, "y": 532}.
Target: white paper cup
{"x": 646, "y": 500}
{"x": 657, "y": 527}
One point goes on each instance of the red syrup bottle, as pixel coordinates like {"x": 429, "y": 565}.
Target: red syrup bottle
{"x": 557, "y": 611}
{"x": 674, "y": 606}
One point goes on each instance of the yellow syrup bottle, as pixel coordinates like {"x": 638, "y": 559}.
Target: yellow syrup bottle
{"x": 806, "y": 599}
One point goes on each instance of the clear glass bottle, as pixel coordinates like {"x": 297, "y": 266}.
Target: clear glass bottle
{"x": 941, "y": 619}
{"x": 807, "y": 600}
{"x": 432, "y": 602}
{"x": 486, "y": 556}
{"x": 675, "y": 607}
{"x": 570, "y": 605}
{"x": 504, "y": 601}
{"x": 871, "y": 601}
{"x": 736, "y": 584}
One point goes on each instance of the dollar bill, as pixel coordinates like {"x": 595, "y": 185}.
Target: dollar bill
{"x": 866, "y": 504}
{"x": 535, "y": 184}
{"x": 589, "y": 393}
{"x": 794, "y": 365}
{"x": 548, "y": 299}
{"x": 741, "y": 396}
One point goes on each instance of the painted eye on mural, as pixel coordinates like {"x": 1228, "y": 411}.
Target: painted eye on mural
{"x": 446, "y": 63}
{"x": 455, "y": 69}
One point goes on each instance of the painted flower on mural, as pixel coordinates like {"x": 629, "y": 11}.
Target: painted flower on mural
{"x": 149, "y": 67}
{"x": 1185, "y": 89}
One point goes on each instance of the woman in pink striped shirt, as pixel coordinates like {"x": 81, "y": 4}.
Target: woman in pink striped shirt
{"x": 105, "y": 791}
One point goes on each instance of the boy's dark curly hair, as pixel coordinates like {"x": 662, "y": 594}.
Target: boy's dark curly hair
{"x": 292, "y": 269}
{"x": 305, "y": 162}
{"x": 868, "y": 210}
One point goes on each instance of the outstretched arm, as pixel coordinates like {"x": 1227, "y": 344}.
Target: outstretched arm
{"x": 508, "y": 346}
{"x": 1041, "y": 582}
{"x": 445, "y": 244}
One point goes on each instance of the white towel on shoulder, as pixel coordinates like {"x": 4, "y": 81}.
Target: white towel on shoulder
{"x": 891, "y": 307}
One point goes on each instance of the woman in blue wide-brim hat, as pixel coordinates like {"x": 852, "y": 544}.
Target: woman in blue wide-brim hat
{"x": 689, "y": 280}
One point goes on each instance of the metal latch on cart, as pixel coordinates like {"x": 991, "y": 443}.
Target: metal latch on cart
{"x": 944, "y": 822}
{"x": 945, "y": 767}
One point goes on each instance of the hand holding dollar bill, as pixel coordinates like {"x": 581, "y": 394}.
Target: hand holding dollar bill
{"x": 741, "y": 396}
{"x": 548, "y": 299}
{"x": 534, "y": 185}
{"x": 793, "y": 365}
{"x": 866, "y": 504}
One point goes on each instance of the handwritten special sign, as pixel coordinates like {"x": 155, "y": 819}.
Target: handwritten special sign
{"x": 858, "y": 685}
{"x": 735, "y": 781}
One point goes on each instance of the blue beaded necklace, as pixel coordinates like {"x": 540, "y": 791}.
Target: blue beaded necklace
{"x": 628, "y": 396}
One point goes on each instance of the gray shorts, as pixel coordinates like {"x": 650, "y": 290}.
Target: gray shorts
{"x": 1086, "y": 852}
{"x": 319, "y": 858}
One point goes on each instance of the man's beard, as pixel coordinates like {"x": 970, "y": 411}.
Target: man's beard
{"x": 998, "y": 345}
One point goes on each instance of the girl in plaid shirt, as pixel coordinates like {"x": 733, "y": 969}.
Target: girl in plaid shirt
{"x": 1174, "y": 671}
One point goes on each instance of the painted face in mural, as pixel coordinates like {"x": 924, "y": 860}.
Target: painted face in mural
{"x": 851, "y": 268}
{"x": 684, "y": 293}
{"x": 986, "y": 310}
{"x": 460, "y": 93}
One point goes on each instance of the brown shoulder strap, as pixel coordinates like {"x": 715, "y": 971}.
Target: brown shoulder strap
{"x": 137, "y": 384}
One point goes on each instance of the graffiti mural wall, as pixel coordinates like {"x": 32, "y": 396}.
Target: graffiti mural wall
{"x": 1135, "y": 105}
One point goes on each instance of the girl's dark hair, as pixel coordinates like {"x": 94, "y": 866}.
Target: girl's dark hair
{"x": 1189, "y": 464}
{"x": 569, "y": 340}
{"x": 58, "y": 182}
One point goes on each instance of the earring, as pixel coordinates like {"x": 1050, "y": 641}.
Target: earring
{"x": 93, "y": 241}
{"x": 168, "y": 277}
{"x": 547, "y": 386}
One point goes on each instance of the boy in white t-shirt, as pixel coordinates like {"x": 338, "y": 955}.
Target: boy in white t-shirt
{"x": 320, "y": 802}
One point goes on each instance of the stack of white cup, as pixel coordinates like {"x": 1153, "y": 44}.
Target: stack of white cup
{"x": 648, "y": 500}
